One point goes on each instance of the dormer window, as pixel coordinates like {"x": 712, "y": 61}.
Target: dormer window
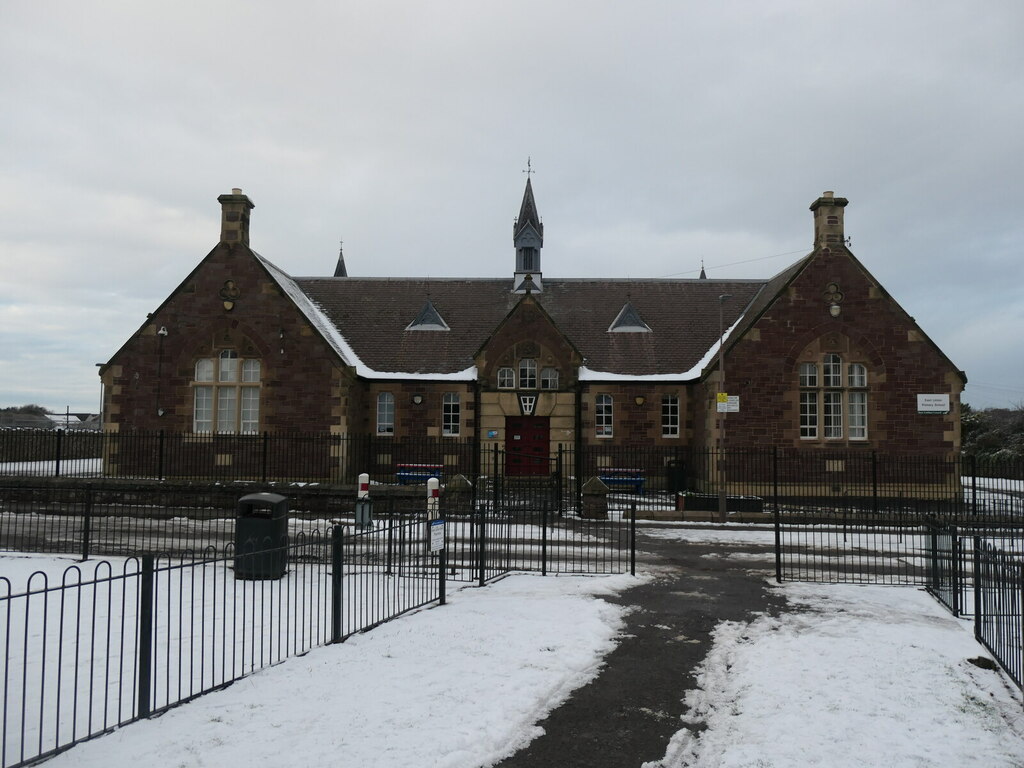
{"x": 628, "y": 321}
{"x": 429, "y": 319}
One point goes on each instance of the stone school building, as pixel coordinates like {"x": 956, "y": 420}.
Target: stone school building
{"x": 819, "y": 358}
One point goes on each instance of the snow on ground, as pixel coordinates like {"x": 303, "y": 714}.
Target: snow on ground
{"x": 855, "y": 676}
{"x": 69, "y": 468}
{"x": 458, "y": 685}
{"x": 850, "y": 675}
{"x": 733, "y": 534}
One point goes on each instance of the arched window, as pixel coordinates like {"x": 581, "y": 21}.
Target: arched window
{"x": 385, "y": 413}
{"x": 833, "y": 406}
{"x": 226, "y": 394}
{"x": 506, "y": 378}
{"x": 527, "y": 373}
{"x": 549, "y": 378}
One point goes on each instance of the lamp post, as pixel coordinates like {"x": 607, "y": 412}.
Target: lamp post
{"x": 722, "y": 511}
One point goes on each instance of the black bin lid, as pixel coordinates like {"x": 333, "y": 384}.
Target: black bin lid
{"x": 275, "y": 502}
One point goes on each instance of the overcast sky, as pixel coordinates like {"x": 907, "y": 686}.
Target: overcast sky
{"x": 662, "y": 134}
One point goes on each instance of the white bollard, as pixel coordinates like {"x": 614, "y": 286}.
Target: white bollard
{"x": 433, "y": 498}
{"x": 364, "y": 486}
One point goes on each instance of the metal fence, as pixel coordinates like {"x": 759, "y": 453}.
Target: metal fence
{"x": 110, "y": 643}
{"x": 526, "y": 525}
{"x": 266, "y": 457}
{"x": 999, "y": 604}
{"x": 972, "y": 566}
{"x": 803, "y": 481}
{"x": 96, "y": 647}
{"x": 952, "y": 558}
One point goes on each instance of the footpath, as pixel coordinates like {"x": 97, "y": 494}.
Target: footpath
{"x": 627, "y": 715}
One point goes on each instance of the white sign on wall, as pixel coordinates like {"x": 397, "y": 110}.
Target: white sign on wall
{"x": 728, "y": 403}
{"x": 933, "y": 403}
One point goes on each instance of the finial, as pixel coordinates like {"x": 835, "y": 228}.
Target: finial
{"x": 529, "y": 168}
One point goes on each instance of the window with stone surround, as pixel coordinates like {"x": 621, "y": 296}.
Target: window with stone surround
{"x": 527, "y": 373}
{"x": 385, "y": 413}
{"x": 603, "y": 416}
{"x": 833, "y": 406}
{"x": 506, "y": 378}
{"x": 670, "y": 416}
{"x": 226, "y": 394}
{"x": 451, "y": 413}
{"x": 549, "y": 378}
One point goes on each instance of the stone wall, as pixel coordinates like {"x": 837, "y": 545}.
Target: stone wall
{"x": 871, "y": 329}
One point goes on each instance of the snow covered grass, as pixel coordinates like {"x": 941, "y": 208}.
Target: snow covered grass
{"x": 69, "y": 468}
{"x": 845, "y": 676}
{"x": 71, "y": 637}
{"x": 460, "y": 685}
{"x": 849, "y": 676}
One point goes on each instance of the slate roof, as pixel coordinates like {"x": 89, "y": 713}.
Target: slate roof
{"x": 372, "y": 315}
{"x": 11, "y": 420}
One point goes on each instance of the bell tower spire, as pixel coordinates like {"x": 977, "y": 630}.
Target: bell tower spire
{"x": 528, "y": 238}
{"x": 339, "y": 269}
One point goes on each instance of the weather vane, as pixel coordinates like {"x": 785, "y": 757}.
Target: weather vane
{"x": 529, "y": 168}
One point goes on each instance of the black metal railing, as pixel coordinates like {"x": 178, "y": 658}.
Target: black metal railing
{"x": 805, "y": 481}
{"x": 948, "y": 572}
{"x": 486, "y": 544}
{"x": 999, "y": 604}
{"x": 102, "y": 645}
{"x": 530, "y": 526}
{"x": 263, "y": 457}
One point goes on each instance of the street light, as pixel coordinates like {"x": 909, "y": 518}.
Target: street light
{"x": 722, "y": 511}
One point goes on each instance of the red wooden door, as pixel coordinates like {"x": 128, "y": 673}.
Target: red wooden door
{"x": 527, "y": 445}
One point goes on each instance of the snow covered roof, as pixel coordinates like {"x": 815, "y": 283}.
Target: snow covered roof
{"x": 367, "y": 321}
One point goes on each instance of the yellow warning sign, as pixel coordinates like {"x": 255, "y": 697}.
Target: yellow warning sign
{"x": 723, "y": 397}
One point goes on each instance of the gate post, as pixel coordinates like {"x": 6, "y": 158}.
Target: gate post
{"x": 337, "y": 564}
{"x": 145, "y": 649}
{"x": 544, "y": 537}
{"x": 160, "y": 455}
{"x": 974, "y": 485}
{"x": 87, "y": 524}
{"x": 977, "y": 588}
{"x": 632, "y": 539}
{"x": 57, "y": 453}
{"x": 482, "y": 545}
{"x": 494, "y": 483}
{"x": 777, "y": 515}
{"x": 874, "y": 483}
{"x": 560, "y": 481}
{"x": 958, "y": 574}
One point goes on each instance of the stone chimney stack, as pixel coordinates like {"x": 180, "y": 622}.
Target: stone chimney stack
{"x": 234, "y": 217}
{"x": 828, "y": 220}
